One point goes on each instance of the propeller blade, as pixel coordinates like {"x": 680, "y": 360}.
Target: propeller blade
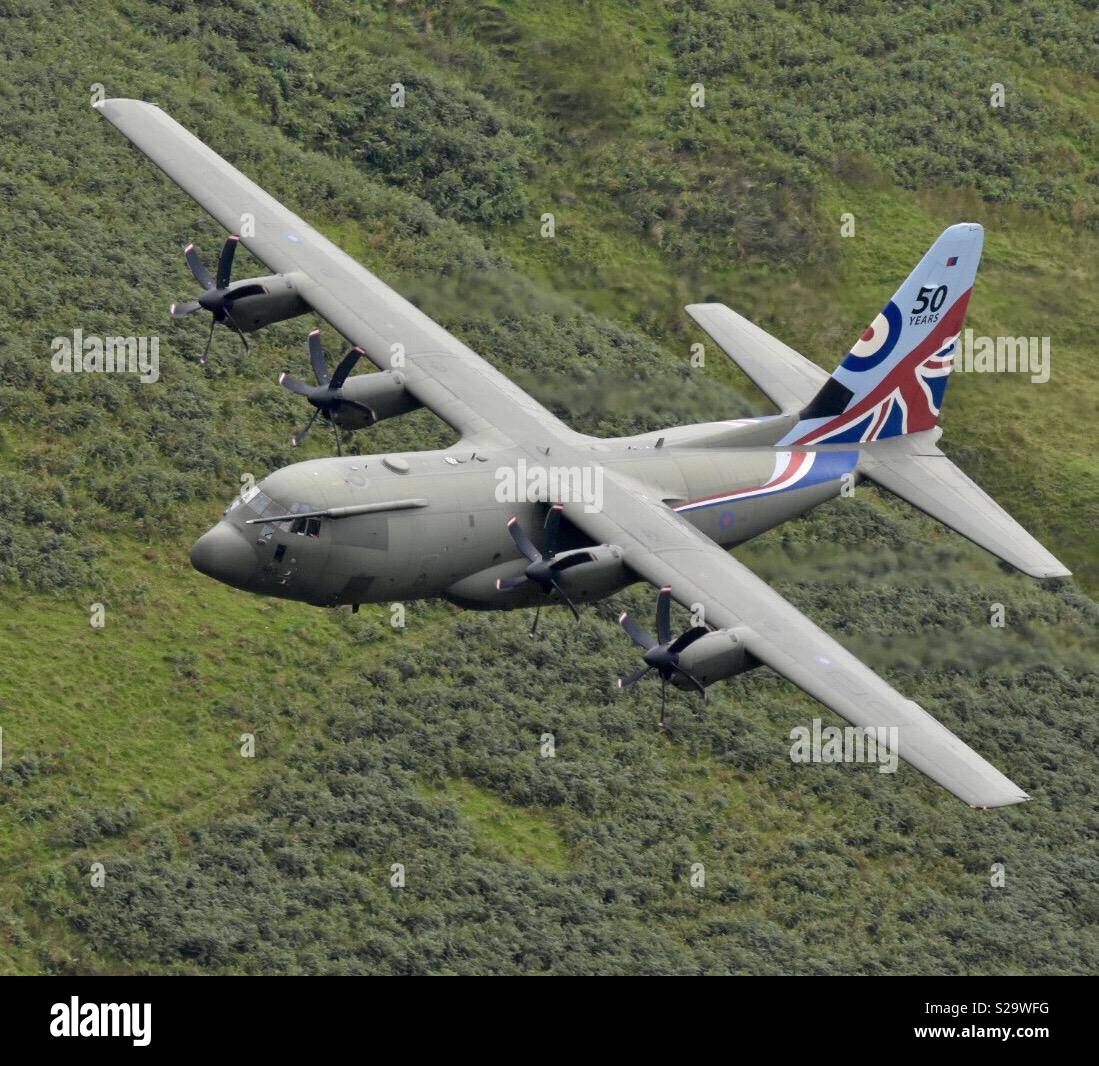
{"x": 288, "y": 381}
{"x": 685, "y": 640}
{"x": 638, "y": 633}
{"x": 198, "y": 268}
{"x": 506, "y": 584}
{"x": 664, "y": 615}
{"x": 298, "y": 438}
{"x": 553, "y": 529}
{"x": 637, "y": 675}
{"x": 239, "y": 332}
{"x": 186, "y": 308}
{"x": 565, "y": 597}
{"x": 316, "y": 358}
{"x": 209, "y": 341}
{"x": 225, "y": 260}
{"x": 522, "y": 541}
{"x": 347, "y": 364}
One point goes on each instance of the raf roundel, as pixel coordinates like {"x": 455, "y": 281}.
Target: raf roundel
{"x": 875, "y": 344}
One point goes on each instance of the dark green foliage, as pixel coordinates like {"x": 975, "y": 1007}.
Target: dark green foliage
{"x": 826, "y": 84}
{"x": 301, "y": 882}
{"x": 39, "y": 545}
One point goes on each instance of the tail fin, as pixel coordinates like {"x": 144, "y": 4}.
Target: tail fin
{"x": 893, "y": 380}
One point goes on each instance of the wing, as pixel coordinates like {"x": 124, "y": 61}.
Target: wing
{"x": 914, "y": 469}
{"x": 787, "y": 378}
{"x": 663, "y": 548}
{"x": 440, "y": 371}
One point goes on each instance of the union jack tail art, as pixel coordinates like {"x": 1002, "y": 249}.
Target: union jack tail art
{"x": 892, "y": 381}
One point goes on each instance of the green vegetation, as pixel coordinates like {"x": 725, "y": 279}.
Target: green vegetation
{"x": 422, "y": 747}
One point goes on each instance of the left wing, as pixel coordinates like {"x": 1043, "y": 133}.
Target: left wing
{"x": 663, "y": 548}
{"x": 438, "y": 369}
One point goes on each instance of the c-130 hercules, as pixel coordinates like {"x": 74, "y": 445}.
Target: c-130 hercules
{"x": 355, "y": 529}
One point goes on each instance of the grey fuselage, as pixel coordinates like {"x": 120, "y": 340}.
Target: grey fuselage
{"x": 437, "y": 521}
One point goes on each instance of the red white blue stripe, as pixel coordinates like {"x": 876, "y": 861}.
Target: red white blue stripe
{"x": 792, "y": 470}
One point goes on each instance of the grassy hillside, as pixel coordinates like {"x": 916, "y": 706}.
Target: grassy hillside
{"x": 421, "y": 746}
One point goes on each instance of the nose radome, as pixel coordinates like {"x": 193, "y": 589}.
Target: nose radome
{"x": 223, "y": 553}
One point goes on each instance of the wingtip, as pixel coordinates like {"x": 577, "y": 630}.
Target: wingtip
{"x": 1007, "y": 801}
{"x": 115, "y": 109}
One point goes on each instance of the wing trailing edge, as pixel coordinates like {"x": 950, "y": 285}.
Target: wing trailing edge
{"x": 916, "y": 471}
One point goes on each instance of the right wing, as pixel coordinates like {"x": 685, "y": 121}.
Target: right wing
{"x": 663, "y": 548}
{"x": 442, "y": 373}
{"x": 915, "y": 470}
{"x": 787, "y": 378}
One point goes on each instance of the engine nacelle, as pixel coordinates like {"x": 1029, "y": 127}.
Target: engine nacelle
{"x": 383, "y": 394}
{"x": 278, "y": 302}
{"x": 714, "y": 657}
{"x": 599, "y": 572}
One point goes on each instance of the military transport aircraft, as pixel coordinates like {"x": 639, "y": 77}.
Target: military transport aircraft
{"x": 355, "y": 529}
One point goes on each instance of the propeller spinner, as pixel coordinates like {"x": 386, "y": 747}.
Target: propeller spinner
{"x": 661, "y": 652}
{"x": 218, "y": 295}
{"x": 543, "y": 568}
{"x": 325, "y": 395}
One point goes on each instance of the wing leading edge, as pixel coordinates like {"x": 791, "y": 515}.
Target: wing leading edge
{"x": 441, "y": 372}
{"x": 664, "y": 549}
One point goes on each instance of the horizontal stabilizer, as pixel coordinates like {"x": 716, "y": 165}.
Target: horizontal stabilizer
{"x": 914, "y": 469}
{"x": 784, "y": 376}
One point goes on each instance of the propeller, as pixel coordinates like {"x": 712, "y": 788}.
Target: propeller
{"x": 661, "y": 651}
{"x": 325, "y": 395}
{"x": 543, "y": 568}
{"x": 217, "y": 297}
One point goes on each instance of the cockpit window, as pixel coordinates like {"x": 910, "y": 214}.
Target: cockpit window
{"x": 244, "y": 497}
{"x": 309, "y": 527}
{"x": 298, "y": 524}
{"x": 255, "y": 498}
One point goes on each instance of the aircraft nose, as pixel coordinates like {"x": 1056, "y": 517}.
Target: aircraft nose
{"x": 224, "y": 554}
